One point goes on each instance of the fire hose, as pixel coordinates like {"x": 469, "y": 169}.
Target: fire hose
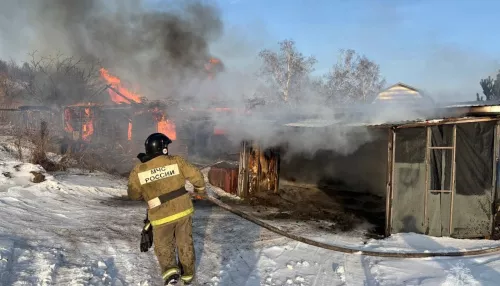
{"x": 342, "y": 249}
{"x": 305, "y": 240}
{"x": 146, "y": 241}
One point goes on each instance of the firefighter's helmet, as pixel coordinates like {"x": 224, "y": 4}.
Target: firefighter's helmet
{"x": 157, "y": 144}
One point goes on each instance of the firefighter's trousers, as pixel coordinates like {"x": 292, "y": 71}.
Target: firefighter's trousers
{"x": 169, "y": 237}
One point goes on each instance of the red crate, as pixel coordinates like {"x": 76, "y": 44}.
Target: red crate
{"x": 224, "y": 176}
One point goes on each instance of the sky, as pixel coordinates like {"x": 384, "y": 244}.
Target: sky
{"x": 443, "y": 47}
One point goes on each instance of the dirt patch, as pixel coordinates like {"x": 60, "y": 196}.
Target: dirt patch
{"x": 359, "y": 202}
{"x": 496, "y": 229}
{"x": 48, "y": 165}
{"x": 342, "y": 210}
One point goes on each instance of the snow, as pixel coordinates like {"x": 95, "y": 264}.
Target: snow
{"x": 75, "y": 228}
{"x": 356, "y": 239}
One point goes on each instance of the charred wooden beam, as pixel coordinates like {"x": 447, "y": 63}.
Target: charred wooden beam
{"x": 258, "y": 171}
{"x": 120, "y": 94}
{"x": 243, "y": 171}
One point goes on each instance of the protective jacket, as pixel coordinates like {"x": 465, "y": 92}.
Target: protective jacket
{"x": 160, "y": 182}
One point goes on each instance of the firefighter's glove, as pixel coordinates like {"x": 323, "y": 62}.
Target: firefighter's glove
{"x": 146, "y": 236}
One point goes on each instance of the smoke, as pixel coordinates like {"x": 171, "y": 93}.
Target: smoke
{"x": 164, "y": 52}
{"x": 156, "y": 48}
{"x": 311, "y": 127}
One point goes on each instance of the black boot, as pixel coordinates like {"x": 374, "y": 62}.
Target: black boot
{"x": 173, "y": 280}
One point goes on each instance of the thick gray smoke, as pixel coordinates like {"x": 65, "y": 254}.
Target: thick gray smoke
{"x": 164, "y": 51}
{"x": 155, "y": 48}
{"x": 312, "y": 126}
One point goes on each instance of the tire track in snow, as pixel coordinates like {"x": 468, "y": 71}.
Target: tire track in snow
{"x": 36, "y": 265}
{"x": 41, "y": 266}
{"x": 366, "y": 264}
{"x": 8, "y": 257}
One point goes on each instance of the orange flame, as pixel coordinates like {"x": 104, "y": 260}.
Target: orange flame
{"x": 218, "y": 131}
{"x": 129, "y": 131}
{"x": 115, "y": 82}
{"x": 67, "y": 118}
{"x": 167, "y": 127}
{"x": 87, "y": 125}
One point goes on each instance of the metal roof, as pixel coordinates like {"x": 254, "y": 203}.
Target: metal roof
{"x": 313, "y": 123}
{"x": 472, "y": 104}
{"x": 318, "y": 123}
{"x": 421, "y": 115}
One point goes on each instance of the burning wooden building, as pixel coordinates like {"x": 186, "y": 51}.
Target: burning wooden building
{"x": 125, "y": 125}
{"x": 436, "y": 177}
{"x": 127, "y": 119}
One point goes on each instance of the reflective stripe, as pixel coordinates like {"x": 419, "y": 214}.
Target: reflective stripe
{"x": 200, "y": 189}
{"x": 153, "y": 203}
{"x": 146, "y": 227}
{"x": 158, "y": 173}
{"x": 187, "y": 278}
{"x": 172, "y": 217}
{"x": 170, "y": 272}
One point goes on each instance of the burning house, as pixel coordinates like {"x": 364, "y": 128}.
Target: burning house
{"x": 127, "y": 119}
{"x": 436, "y": 176}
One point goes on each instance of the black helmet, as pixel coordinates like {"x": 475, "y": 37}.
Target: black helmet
{"x": 157, "y": 144}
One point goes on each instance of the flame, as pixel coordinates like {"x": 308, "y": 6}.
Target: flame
{"x": 221, "y": 109}
{"x": 167, "y": 127}
{"x": 129, "y": 131}
{"x": 67, "y": 120}
{"x": 218, "y": 131}
{"x": 87, "y": 125}
{"x": 115, "y": 82}
{"x": 164, "y": 125}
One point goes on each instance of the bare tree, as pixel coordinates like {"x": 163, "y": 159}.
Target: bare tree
{"x": 491, "y": 88}
{"x": 286, "y": 70}
{"x": 4, "y": 67}
{"x": 55, "y": 80}
{"x": 8, "y": 87}
{"x": 354, "y": 78}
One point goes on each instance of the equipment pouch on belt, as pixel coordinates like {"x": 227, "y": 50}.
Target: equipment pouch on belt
{"x": 146, "y": 235}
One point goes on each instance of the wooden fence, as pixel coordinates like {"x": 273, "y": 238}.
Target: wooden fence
{"x": 28, "y": 120}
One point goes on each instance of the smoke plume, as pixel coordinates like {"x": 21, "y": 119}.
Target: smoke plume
{"x": 155, "y": 48}
{"x": 164, "y": 51}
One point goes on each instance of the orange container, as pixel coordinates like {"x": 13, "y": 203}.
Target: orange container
{"x": 225, "y": 176}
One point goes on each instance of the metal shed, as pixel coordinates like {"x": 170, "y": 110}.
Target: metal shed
{"x": 440, "y": 175}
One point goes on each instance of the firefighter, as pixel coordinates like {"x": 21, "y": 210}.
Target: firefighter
{"x": 159, "y": 180}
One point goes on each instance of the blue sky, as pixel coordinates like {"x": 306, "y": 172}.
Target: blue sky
{"x": 443, "y": 46}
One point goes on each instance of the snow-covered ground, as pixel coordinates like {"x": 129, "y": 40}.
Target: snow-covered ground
{"x": 75, "y": 228}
